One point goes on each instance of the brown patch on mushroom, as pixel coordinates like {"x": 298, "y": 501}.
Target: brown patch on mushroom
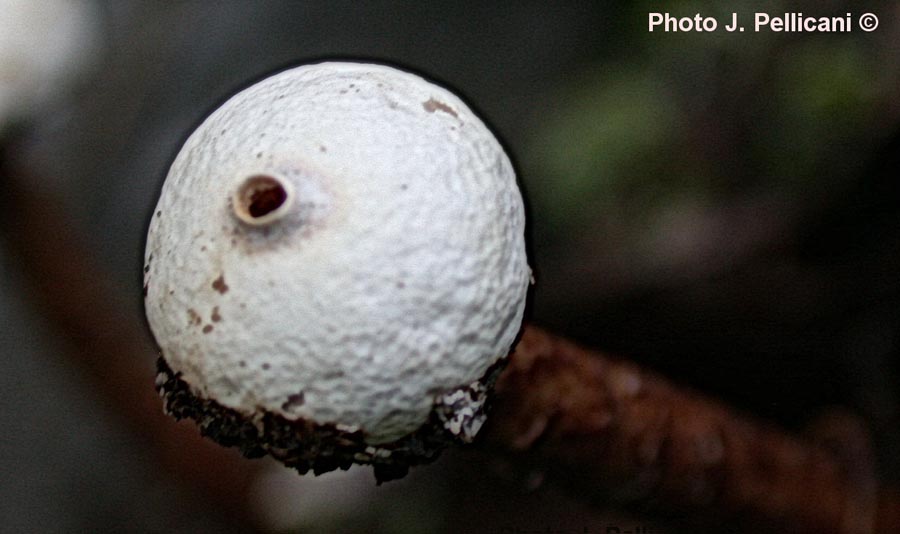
{"x": 207, "y": 329}
{"x": 193, "y": 317}
{"x": 322, "y": 148}
{"x": 431, "y": 105}
{"x": 215, "y": 315}
{"x": 220, "y": 285}
{"x": 293, "y": 401}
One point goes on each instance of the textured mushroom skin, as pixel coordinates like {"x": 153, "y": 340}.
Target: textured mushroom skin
{"x": 394, "y": 281}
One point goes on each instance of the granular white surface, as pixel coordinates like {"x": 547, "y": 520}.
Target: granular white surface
{"x": 397, "y": 274}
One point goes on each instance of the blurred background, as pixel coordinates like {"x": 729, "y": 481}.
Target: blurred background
{"x": 723, "y": 208}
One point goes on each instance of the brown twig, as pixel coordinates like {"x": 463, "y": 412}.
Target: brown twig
{"x": 614, "y": 432}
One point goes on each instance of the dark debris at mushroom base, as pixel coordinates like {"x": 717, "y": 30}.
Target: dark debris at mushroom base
{"x": 301, "y": 444}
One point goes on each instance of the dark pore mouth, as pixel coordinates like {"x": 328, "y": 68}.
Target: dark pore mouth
{"x": 266, "y": 200}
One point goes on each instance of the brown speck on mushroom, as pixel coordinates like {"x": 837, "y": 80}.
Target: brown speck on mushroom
{"x": 431, "y": 105}
{"x": 293, "y": 401}
{"x": 193, "y": 317}
{"x": 207, "y": 329}
{"x": 215, "y": 315}
{"x": 266, "y": 366}
{"x": 220, "y": 285}
{"x": 322, "y": 148}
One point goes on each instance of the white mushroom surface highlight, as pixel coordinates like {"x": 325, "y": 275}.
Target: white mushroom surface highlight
{"x": 339, "y": 245}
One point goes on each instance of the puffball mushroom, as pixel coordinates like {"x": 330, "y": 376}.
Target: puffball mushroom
{"x": 336, "y": 269}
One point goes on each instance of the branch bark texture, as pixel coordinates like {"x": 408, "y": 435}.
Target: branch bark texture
{"x": 616, "y": 433}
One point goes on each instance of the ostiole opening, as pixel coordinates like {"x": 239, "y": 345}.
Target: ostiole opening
{"x": 262, "y": 199}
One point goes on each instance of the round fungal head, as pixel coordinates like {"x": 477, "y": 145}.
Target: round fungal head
{"x": 335, "y": 267}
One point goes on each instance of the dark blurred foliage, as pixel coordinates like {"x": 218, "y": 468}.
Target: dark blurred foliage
{"x": 721, "y": 207}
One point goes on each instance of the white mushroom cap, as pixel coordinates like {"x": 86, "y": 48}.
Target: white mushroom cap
{"x": 340, "y": 243}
